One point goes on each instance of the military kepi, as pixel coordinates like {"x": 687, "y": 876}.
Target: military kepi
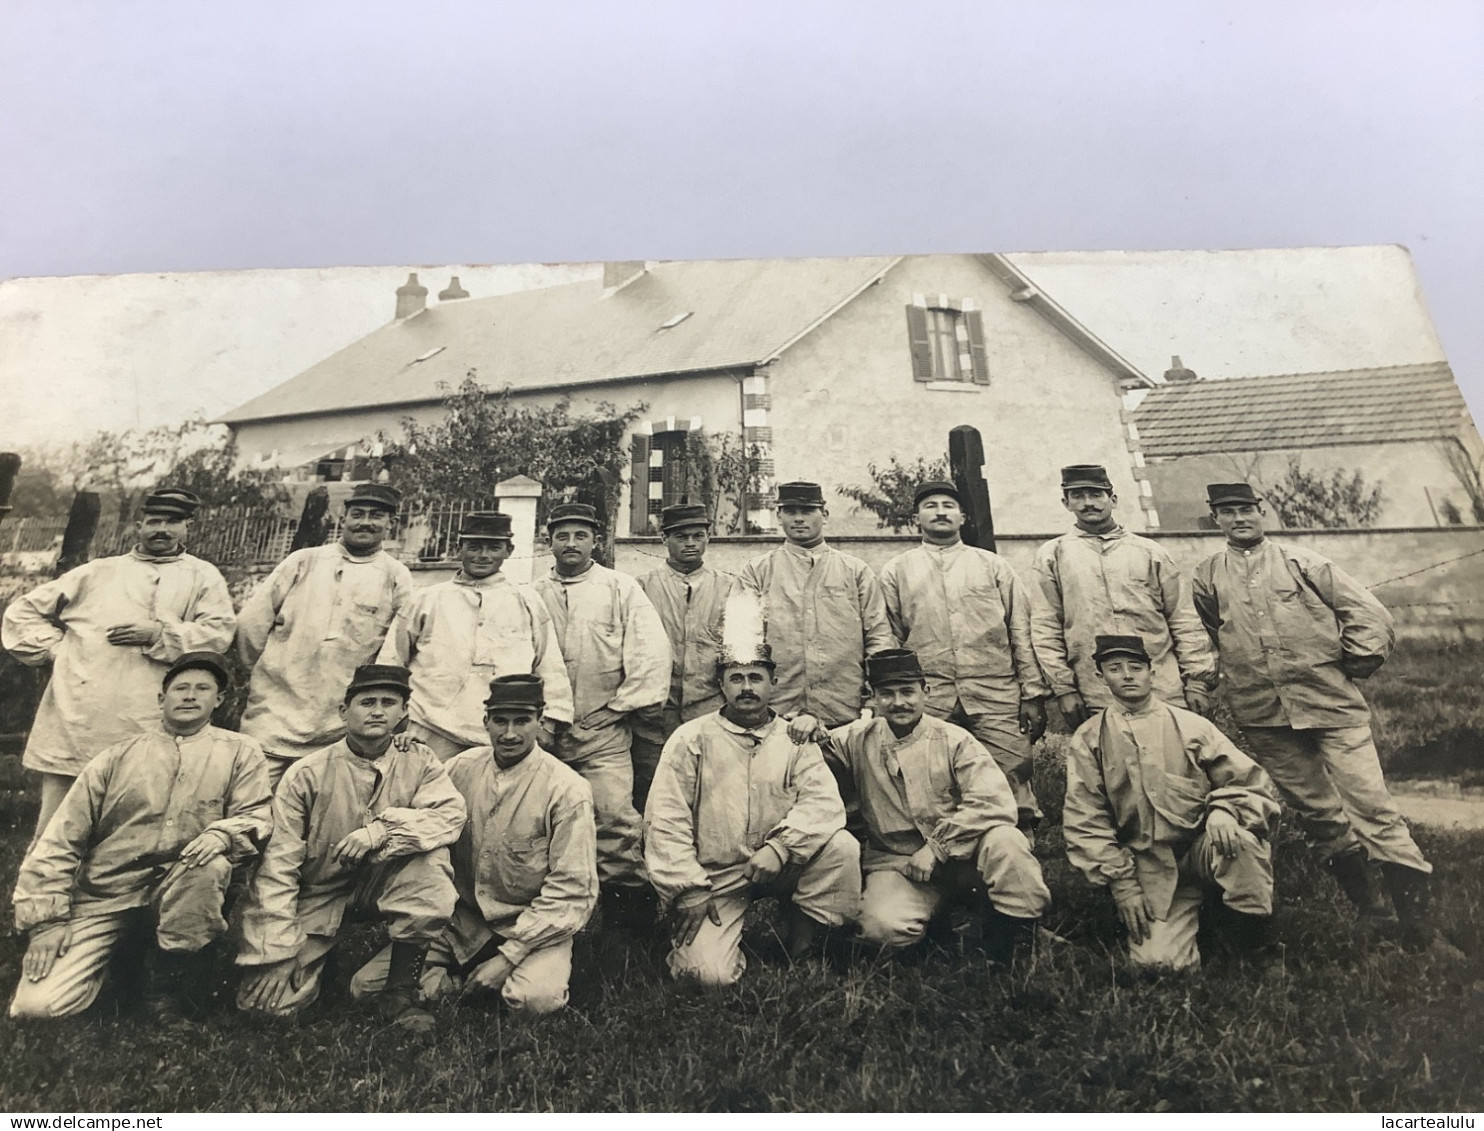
{"x": 486, "y": 524}
{"x": 1107, "y": 646}
{"x": 1218, "y": 493}
{"x": 1085, "y": 475}
{"x": 174, "y": 501}
{"x": 370, "y": 676}
{"x": 375, "y": 495}
{"x": 800, "y": 494}
{"x": 893, "y": 665}
{"x": 682, "y": 515}
{"x": 572, "y": 512}
{"x": 935, "y": 487}
{"x": 516, "y": 691}
{"x": 213, "y": 662}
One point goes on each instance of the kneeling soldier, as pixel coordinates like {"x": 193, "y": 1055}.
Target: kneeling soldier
{"x": 526, "y": 864}
{"x": 1162, "y": 808}
{"x": 150, "y": 830}
{"x": 361, "y": 828}
{"x": 737, "y": 809}
{"x": 940, "y": 817}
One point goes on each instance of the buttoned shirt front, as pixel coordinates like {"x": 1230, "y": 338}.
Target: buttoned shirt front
{"x": 101, "y": 693}
{"x": 968, "y": 618}
{"x": 723, "y": 791}
{"x": 1117, "y": 583}
{"x": 322, "y": 613}
{"x": 690, "y": 606}
{"x": 526, "y": 864}
{"x": 403, "y": 796}
{"x": 1284, "y": 618}
{"x": 131, "y": 811}
{"x": 458, "y": 635}
{"x": 825, "y": 613}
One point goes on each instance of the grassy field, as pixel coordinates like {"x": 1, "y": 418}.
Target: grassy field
{"x": 1338, "y": 1027}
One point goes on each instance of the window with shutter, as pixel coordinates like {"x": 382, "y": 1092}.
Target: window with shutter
{"x": 922, "y": 348}
{"x": 947, "y": 341}
{"x": 639, "y": 485}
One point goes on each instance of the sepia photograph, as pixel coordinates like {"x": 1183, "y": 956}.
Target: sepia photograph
{"x": 514, "y": 602}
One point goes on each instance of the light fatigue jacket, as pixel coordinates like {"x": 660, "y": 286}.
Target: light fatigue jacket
{"x": 1283, "y": 618}
{"x": 459, "y": 635}
{"x": 304, "y": 630}
{"x": 825, "y": 614}
{"x": 968, "y": 618}
{"x": 526, "y": 864}
{"x": 721, "y": 793}
{"x": 98, "y": 693}
{"x": 1090, "y": 585}
{"x": 614, "y": 644}
{"x": 300, "y": 890}
{"x": 936, "y": 786}
{"x": 1139, "y": 789}
{"x": 690, "y": 606}
{"x": 130, "y": 812}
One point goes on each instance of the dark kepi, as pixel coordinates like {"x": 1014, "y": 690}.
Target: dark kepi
{"x": 682, "y": 515}
{"x": 893, "y": 665}
{"x": 516, "y": 691}
{"x": 936, "y": 487}
{"x": 176, "y": 502}
{"x": 1085, "y": 475}
{"x": 375, "y": 495}
{"x": 573, "y": 512}
{"x": 1119, "y": 646}
{"x": 800, "y": 494}
{"x": 213, "y": 662}
{"x": 1218, "y": 493}
{"x": 486, "y": 524}
{"x": 369, "y": 676}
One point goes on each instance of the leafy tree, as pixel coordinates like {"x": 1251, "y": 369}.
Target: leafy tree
{"x": 485, "y": 437}
{"x": 889, "y": 497}
{"x": 721, "y": 470}
{"x": 1309, "y": 499}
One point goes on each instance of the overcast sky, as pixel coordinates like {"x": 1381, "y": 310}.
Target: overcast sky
{"x": 181, "y": 136}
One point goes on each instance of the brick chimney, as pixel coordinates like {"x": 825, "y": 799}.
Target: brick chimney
{"x": 619, "y": 274}
{"x": 452, "y": 291}
{"x": 1177, "y": 374}
{"x": 412, "y": 297}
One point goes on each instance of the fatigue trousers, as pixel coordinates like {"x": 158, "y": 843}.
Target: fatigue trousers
{"x": 537, "y": 985}
{"x": 1246, "y": 885}
{"x": 1332, "y": 779}
{"x": 999, "y": 733}
{"x": 440, "y": 744}
{"x": 413, "y": 894}
{"x": 827, "y": 888}
{"x": 895, "y": 910}
{"x": 601, "y": 755}
{"x": 186, "y": 906}
{"x": 648, "y": 744}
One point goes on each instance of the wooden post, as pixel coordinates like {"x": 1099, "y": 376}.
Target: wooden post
{"x": 77, "y": 539}
{"x": 311, "y": 528}
{"x": 10, "y": 465}
{"x": 966, "y": 458}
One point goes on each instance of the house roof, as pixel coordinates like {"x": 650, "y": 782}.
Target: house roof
{"x": 738, "y": 313}
{"x": 1395, "y": 404}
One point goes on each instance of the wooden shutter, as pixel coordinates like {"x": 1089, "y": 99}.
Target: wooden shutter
{"x": 639, "y": 485}
{"x": 922, "y": 348}
{"x": 974, "y": 322}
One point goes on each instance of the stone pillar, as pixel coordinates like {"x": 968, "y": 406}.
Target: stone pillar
{"x": 518, "y": 497}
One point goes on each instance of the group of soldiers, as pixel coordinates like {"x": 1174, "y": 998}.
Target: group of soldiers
{"x": 468, "y": 762}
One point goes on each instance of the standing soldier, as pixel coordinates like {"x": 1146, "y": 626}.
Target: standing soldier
{"x": 824, "y": 610}
{"x": 1100, "y": 578}
{"x": 316, "y": 618}
{"x": 968, "y": 618}
{"x": 459, "y": 635}
{"x": 1295, "y": 633}
{"x": 618, "y": 663}
{"x": 690, "y": 598}
{"x": 111, "y": 628}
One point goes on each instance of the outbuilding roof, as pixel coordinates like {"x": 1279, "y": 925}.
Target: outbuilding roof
{"x": 1395, "y": 404}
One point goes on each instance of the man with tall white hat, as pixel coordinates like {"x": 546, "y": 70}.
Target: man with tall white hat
{"x": 967, "y": 616}
{"x": 322, "y": 613}
{"x": 458, "y": 635}
{"x": 111, "y": 628}
{"x": 690, "y": 598}
{"x": 618, "y": 663}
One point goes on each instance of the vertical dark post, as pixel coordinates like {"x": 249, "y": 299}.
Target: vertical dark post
{"x": 10, "y": 465}
{"x": 311, "y": 528}
{"x": 966, "y": 459}
{"x": 82, "y": 524}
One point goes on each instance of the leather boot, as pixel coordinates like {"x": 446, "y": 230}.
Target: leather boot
{"x": 400, "y": 1000}
{"x": 1410, "y": 892}
{"x": 1352, "y": 871}
{"x": 803, "y": 936}
{"x": 1006, "y": 937}
{"x": 167, "y": 980}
